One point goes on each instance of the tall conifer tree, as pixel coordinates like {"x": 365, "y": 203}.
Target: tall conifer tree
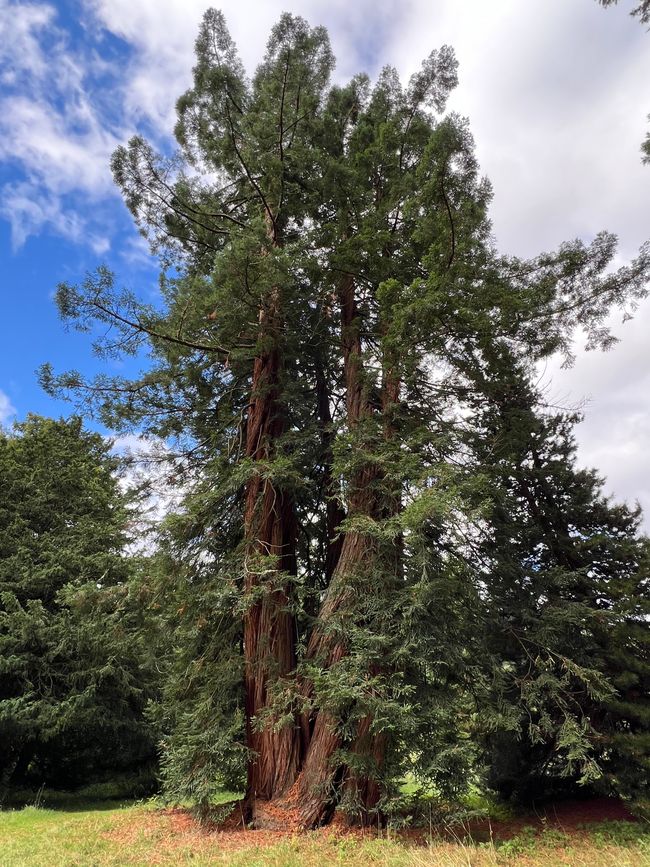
{"x": 565, "y": 576}
{"x": 337, "y": 295}
{"x": 75, "y": 671}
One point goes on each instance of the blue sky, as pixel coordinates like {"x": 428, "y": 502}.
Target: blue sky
{"x": 557, "y": 96}
{"x": 61, "y": 118}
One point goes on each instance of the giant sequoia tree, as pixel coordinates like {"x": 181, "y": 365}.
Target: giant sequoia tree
{"x": 332, "y": 304}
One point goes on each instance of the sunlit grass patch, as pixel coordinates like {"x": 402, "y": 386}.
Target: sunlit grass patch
{"x": 144, "y": 834}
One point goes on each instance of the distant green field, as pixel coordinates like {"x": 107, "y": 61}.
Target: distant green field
{"x": 106, "y": 833}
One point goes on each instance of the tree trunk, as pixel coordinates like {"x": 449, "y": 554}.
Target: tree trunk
{"x": 334, "y": 512}
{"x": 360, "y": 562}
{"x": 364, "y": 789}
{"x": 270, "y": 534}
{"x": 316, "y": 791}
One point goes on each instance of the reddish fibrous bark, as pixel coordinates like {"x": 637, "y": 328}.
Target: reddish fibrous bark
{"x": 364, "y": 789}
{"x": 294, "y": 766}
{"x": 269, "y": 629}
{"x": 315, "y": 791}
{"x": 270, "y": 530}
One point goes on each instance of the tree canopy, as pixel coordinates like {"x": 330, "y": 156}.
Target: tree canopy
{"x": 75, "y": 672}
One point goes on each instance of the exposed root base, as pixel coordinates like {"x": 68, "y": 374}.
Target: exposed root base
{"x": 284, "y": 815}
{"x": 275, "y": 816}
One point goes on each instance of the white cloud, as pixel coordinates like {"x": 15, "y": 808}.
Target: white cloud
{"x": 46, "y": 142}
{"x": 19, "y": 44}
{"x": 612, "y": 388}
{"x": 7, "y": 410}
{"x": 51, "y": 134}
{"x": 557, "y": 97}
{"x": 553, "y": 90}
{"x": 150, "y": 467}
{"x": 135, "y": 251}
{"x": 29, "y": 214}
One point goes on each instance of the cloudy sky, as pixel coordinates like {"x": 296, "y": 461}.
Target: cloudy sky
{"x": 556, "y": 91}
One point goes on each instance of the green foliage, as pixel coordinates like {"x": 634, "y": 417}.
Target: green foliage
{"x": 566, "y": 572}
{"x": 75, "y": 670}
{"x": 196, "y": 603}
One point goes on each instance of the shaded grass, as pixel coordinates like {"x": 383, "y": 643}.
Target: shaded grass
{"x": 126, "y": 787}
{"x": 142, "y": 834}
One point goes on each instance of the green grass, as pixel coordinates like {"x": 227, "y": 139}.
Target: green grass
{"x": 120, "y": 835}
{"x": 34, "y": 837}
{"x": 120, "y": 787}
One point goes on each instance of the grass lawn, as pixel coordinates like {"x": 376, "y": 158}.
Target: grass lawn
{"x": 94, "y": 835}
